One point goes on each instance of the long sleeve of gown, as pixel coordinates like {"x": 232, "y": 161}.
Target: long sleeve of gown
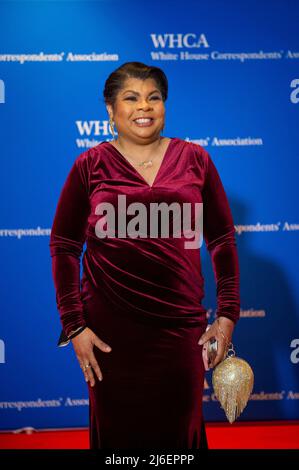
{"x": 219, "y": 236}
{"x": 66, "y": 245}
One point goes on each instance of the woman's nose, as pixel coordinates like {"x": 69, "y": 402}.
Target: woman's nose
{"x": 144, "y": 104}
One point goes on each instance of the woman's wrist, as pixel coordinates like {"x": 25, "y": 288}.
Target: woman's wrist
{"x": 225, "y": 321}
{"x": 76, "y": 332}
{"x": 225, "y": 327}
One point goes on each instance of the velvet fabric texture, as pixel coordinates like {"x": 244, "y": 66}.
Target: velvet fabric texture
{"x": 143, "y": 296}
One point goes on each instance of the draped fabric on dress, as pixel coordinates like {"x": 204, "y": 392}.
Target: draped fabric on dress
{"x": 143, "y": 295}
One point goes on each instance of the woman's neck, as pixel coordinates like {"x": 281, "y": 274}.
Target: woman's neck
{"x": 141, "y": 150}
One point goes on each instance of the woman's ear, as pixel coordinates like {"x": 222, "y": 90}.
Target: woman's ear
{"x": 109, "y": 110}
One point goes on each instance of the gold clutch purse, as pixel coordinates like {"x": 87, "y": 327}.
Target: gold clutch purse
{"x": 232, "y": 381}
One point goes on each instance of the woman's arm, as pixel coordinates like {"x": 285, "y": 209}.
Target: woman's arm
{"x": 219, "y": 235}
{"x": 66, "y": 243}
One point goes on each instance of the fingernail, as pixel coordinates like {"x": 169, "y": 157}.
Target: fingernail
{"x": 100, "y": 378}
{"x": 86, "y": 379}
{"x": 108, "y": 348}
{"x": 200, "y": 342}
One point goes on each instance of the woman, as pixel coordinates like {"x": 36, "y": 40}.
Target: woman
{"x": 135, "y": 319}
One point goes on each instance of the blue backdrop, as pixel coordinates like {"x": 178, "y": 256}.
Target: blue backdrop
{"x": 234, "y": 88}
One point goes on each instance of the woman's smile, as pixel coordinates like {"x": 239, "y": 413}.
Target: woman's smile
{"x": 143, "y": 122}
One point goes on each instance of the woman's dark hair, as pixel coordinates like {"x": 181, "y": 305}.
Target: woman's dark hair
{"x": 116, "y": 79}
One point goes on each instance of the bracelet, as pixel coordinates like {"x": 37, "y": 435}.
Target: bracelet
{"x": 77, "y": 332}
{"x": 222, "y": 333}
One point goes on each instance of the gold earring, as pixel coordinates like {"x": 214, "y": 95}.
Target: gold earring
{"x": 111, "y": 125}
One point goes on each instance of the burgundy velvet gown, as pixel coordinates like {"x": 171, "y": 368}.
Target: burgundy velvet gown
{"x": 143, "y": 296}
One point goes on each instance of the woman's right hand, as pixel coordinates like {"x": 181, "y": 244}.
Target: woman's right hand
{"x": 83, "y": 345}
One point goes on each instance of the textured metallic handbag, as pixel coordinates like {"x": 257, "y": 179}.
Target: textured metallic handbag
{"x": 232, "y": 381}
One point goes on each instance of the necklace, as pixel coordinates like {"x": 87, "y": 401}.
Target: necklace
{"x": 144, "y": 163}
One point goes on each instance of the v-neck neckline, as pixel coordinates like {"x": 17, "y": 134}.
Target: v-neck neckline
{"x": 150, "y": 186}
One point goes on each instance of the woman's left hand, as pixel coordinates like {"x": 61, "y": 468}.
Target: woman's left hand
{"x": 221, "y": 330}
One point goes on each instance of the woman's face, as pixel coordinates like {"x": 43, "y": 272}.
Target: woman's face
{"x": 139, "y": 110}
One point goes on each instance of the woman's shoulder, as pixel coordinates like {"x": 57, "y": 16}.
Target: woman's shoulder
{"x": 195, "y": 151}
{"x": 91, "y": 156}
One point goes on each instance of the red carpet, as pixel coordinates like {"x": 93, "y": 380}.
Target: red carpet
{"x": 261, "y": 435}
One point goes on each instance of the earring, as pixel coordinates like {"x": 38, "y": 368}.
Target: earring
{"x": 111, "y": 125}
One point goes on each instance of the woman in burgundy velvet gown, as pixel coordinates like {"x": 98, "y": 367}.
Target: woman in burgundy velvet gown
{"x": 141, "y": 295}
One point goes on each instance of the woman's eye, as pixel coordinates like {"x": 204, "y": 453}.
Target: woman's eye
{"x": 133, "y": 98}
